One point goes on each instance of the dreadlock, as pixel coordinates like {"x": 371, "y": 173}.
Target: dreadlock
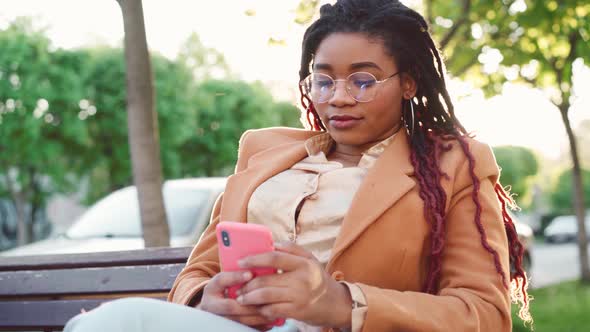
{"x": 405, "y": 35}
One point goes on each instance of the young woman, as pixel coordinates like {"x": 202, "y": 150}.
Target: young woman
{"x": 387, "y": 214}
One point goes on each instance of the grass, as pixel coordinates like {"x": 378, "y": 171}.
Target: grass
{"x": 564, "y": 307}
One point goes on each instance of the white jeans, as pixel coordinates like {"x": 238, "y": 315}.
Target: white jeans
{"x": 149, "y": 315}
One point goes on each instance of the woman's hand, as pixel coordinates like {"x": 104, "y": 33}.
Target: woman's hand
{"x": 215, "y": 301}
{"x": 303, "y": 291}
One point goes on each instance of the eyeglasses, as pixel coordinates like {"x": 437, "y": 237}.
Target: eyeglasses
{"x": 361, "y": 86}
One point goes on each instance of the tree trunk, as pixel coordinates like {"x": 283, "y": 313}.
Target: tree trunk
{"x": 23, "y": 231}
{"x": 143, "y": 127}
{"x": 578, "y": 195}
{"x": 19, "y": 200}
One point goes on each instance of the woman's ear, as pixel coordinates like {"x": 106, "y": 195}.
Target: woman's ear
{"x": 409, "y": 86}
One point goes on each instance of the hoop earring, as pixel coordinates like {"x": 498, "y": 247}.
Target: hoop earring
{"x": 410, "y": 124}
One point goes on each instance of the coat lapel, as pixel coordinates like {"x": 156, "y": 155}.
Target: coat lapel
{"x": 261, "y": 167}
{"x": 386, "y": 182}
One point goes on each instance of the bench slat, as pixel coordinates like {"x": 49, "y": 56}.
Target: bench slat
{"x": 102, "y": 280}
{"x": 27, "y": 315}
{"x": 47, "y": 314}
{"x": 96, "y": 259}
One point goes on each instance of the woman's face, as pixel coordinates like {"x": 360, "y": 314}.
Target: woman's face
{"x": 349, "y": 122}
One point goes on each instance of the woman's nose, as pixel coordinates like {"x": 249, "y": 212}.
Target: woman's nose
{"x": 340, "y": 96}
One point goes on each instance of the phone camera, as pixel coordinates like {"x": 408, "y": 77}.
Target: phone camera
{"x": 225, "y": 238}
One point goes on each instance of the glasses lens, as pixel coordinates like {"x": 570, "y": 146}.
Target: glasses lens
{"x": 362, "y": 86}
{"x": 319, "y": 87}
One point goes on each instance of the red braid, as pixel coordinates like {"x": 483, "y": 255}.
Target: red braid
{"x": 518, "y": 277}
{"x": 312, "y": 116}
{"x": 434, "y": 199}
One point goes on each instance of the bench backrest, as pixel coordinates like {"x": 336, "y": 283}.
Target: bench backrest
{"x": 44, "y": 292}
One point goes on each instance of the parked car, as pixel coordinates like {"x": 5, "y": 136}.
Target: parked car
{"x": 113, "y": 223}
{"x": 564, "y": 229}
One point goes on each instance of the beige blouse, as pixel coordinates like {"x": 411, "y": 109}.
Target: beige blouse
{"x": 307, "y": 203}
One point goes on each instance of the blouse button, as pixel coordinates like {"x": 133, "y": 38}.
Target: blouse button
{"x": 292, "y": 237}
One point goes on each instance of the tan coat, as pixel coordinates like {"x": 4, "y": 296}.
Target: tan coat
{"x": 383, "y": 244}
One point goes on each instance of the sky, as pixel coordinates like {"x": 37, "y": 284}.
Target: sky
{"x": 520, "y": 116}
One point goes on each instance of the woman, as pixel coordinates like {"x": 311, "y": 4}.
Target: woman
{"x": 389, "y": 217}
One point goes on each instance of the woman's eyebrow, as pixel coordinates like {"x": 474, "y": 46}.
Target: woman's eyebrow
{"x": 321, "y": 66}
{"x": 354, "y": 66}
{"x": 367, "y": 64}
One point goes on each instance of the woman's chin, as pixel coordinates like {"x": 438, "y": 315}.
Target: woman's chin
{"x": 350, "y": 138}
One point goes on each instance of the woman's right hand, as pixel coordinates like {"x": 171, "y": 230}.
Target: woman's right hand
{"x": 214, "y": 300}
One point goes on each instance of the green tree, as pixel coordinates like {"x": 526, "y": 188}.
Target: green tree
{"x": 40, "y": 131}
{"x": 203, "y": 62}
{"x": 107, "y": 161}
{"x": 562, "y": 192}
{"x": 225, "y": 110}
{"x": 544, "y": 40}
{"x": 518, "y": 165}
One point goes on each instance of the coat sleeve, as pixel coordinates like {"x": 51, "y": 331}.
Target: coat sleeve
{"x": 472, "y": 295}
{"x": 203, "y": 262}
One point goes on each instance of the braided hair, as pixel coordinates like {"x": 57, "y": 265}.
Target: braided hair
{"x": 405, "y": 35}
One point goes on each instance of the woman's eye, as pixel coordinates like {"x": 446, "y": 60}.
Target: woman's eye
{"x": 323, "y": 83}
{"x": 364, "y": 83}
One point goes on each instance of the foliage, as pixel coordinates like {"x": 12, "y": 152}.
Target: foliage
{"x": 202, "y": 61}
{"x": 562, "y": 191}
{"x": 491, "y": 42}
{"x": 305, "y": 11}
{"x": 225, "y": 111}
{"x": 40, "y": 133}
{"x": 63, "y": 117}
{"x": 518, "y": 165}
{"x": 107, "y": 162}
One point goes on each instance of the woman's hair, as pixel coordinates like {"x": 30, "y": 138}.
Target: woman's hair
{"x": 405, "y": 35}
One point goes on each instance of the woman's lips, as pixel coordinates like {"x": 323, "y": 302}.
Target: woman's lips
{"x": 344, "y": 121}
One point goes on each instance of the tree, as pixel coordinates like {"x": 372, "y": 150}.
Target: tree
{"x": 562, "y": 192}
{"x": 546, "y": 38}
{"x": 225, "y": 110}
{"x": 518, "y": 165}
{"x": 107, "y": 162}
{"x": 39, "y": 127}
{"x": 203, "y": 62}
{"x": 143, "y": 127}
{"x": 530, "y": 42}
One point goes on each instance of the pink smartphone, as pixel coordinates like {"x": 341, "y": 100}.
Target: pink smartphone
{"x": 236, "y": 240}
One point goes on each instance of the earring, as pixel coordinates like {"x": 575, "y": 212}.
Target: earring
{"x": 410, "y": 124}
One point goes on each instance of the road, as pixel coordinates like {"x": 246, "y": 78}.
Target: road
{"x": 553, "y": 263}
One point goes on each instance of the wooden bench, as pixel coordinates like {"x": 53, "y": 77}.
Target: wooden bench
{"x": 41, "y": 293}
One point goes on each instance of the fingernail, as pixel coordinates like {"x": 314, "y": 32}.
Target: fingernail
{"x": 242, "y": 263}
{"x": 240, "y": 299}
{"x": 247, "y": 275}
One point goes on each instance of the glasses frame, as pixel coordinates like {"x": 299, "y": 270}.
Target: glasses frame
{"x": 378, "y": 82}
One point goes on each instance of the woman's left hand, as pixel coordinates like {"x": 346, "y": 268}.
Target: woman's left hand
{"x": 303, "y": 291}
